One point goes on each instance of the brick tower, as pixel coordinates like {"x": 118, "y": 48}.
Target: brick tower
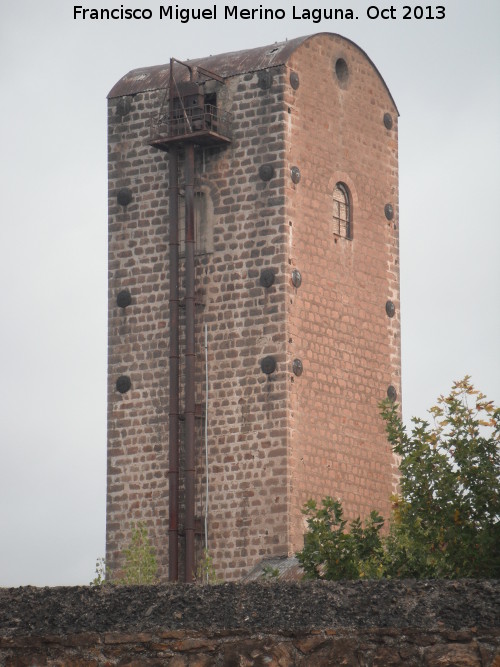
{"x": 253, "y": 299}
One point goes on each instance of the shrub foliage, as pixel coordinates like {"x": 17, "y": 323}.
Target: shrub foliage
{"x": 446, "y": 519}
{"x": 140, "y": 562}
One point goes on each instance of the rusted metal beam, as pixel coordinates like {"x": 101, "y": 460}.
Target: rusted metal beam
{"x": 189, "y": 410}
{"x": 173, "y": 413}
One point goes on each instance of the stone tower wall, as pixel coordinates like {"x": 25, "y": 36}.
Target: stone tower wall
{"x": 337, "y": 320}
{"x": 245, "y": 321}
{"x": 137, "y": 252}
{"x": 273, "y": 440}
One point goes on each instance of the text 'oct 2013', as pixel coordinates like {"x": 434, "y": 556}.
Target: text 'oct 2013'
{"x": 185, "y": 14}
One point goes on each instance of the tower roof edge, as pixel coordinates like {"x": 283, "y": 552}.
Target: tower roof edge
{"x": 226, "y": 65}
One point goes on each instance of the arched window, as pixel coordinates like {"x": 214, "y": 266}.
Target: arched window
{"x": 342, "y": 223}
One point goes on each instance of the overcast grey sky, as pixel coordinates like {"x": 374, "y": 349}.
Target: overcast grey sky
{"x": 55, "y": 73}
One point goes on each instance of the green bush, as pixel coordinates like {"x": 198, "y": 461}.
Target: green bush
{"x": 140, "y": 562}
{"x": 445, "y": 521}
{"x": 332, "y": 553}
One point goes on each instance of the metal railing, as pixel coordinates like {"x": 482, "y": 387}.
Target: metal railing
{"x": 187, "y": 121}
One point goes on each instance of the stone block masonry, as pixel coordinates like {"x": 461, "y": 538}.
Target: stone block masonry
{"x": 361, "y": 624}
{"x": 307, "y": 115}
{"x": 337, "y": 321}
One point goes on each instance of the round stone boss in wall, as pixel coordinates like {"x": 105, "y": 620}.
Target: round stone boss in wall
{"x": 389, "y": 211}
{"x": 124, "y": 298}
{"x": 390, "y": 308}
{"x": 123, "y": 384}
{"x": 296, "y": 278}
{"x": 388, "y": 121}
{"x": 266, "y": 172}
{"x": 268, "y": 365}
{"x": 124, "y": 196}
{"x": 391, "y": 393}
{"x": 295, "y": 174}
{"x": 294, "y": 80}
{"x": 267, "y": 277}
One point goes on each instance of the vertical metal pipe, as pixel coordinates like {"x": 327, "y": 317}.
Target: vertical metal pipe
{"x": 206, "y": 443}
{"x": 190, "y": 363}
{"x": 173, "y": 410}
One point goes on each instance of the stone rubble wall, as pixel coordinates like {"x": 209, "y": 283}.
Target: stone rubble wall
{"x": 362, "y": 624}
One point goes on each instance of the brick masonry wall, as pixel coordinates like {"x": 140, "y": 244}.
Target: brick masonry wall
{"x": 337, "y": 321}
{"x": 137, "y": 247}
{"x": 274, "y": 440}
{"x": 360, "y": 624}
{"x": 247, "y": 413}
